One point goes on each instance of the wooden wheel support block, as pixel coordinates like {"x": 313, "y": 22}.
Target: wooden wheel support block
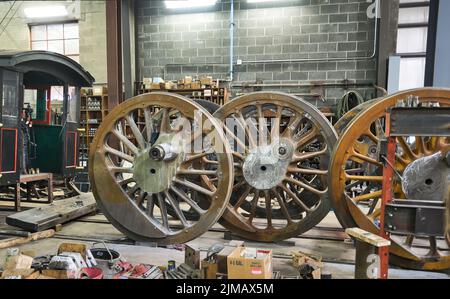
{"x": 58, "y": 212}
{"x": 367, "y": 261}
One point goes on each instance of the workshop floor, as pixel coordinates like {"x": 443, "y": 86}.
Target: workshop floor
{"x": 327, "y": 239}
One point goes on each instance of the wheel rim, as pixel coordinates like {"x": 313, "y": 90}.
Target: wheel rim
{"x": 141, "y": 164}
{"x": 345, "y": 177}
{"x": 302, "y": 136}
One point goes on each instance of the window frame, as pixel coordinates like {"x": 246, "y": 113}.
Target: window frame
{"x": 415, "y": 25}
{"x": 46, "y": 24}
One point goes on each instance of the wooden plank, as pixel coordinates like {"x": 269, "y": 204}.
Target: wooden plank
{"x": 10, "y": 242}
{"x": 367, "y": 237}
{"x": 26, "y": 178}
{"x": 58, "y": 212}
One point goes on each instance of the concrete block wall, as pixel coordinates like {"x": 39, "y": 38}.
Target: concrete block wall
{"x": 172, "y": 44}
{"x": 15, "y": 32}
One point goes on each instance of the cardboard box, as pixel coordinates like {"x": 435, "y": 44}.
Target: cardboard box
{"x": 196, "y": 85}
{"x": 170, "y": 85}
{"x": 250, "y": 263}
{"x": 99, "y": 90}
{"x": 20, "y": 261}
{"x": 155, "y": 86}
{"x": 206, "y": 80}
{"x": 187, "y": 80}
{"x": 20, "y": 274}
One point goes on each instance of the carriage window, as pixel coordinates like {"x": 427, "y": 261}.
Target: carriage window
{"x": 10, "y": 97}
{"x": 72, "y": 115}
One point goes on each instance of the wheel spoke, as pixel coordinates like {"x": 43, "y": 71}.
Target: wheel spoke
{"x": 115, "y": 169}
{"x": 148, "y": 124}
{"x": 125, "y": 141}
{"x": 307, "y": 138}
{"x": 294, "y": 121}
{"x": 165, "y": 121}
{"x": 253, "y": 208}
{"x": 176, "y": 207}
{"x": 163, "y": 210}
{"x": 126, "y": 181}
{"x": 268, "y": 208}
{"x": 295, "y": 198}
{"x": 193, "y": 186}
{"x": 364, "y": 158}
{"x": 196, "y": 172}
{"x": 406, "y": 149}
{"x": 262, "y": 126}
{"x": 364, "y": 178}
{"x": 140, "y": 199}
{"x": 242, "y": 198}
{"x": 284, "y": 210}
{"x": 248, "y": 132}
{"x": 134, "y": 128}
{"x": 367, "y": 196}
{"x": 150, "y": 205}
{"x": 309, "y": 155}
{"x": 119, "y": 154}
{"x": 305, "y": 186}
{"x": 186, "y": 198}
{"x": 239, "y": 142}
{"x": 275, "y": 132}
{"x": 307, "y": 171}
{"x": 420, "y": 146}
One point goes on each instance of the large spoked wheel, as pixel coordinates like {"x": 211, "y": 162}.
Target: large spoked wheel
{"x": 148, "y": 157}
{"x": 356, "y": 177}
{"x": 282, "y": 147}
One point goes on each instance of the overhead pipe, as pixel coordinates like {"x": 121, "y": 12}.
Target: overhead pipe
{"x": 231, "y": 39}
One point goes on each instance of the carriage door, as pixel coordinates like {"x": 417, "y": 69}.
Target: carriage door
{"x": 71, "y": 142}
{"x": 9, "y": 130}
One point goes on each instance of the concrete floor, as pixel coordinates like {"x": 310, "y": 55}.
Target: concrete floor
{"x": 337, "y": 253}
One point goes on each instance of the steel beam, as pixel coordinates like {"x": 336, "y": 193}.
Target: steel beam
{"x": 387, "y": 38}
{"x": 114, "y": 52}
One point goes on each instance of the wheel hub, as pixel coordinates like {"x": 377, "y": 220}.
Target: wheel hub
{"x": 266, "y": 166}
{"x": 155, "y": 167}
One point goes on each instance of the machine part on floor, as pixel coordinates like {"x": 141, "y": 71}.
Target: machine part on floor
{"x": 171, "y": 265}
{"x": 192, "y": 257}
{"x": 282, "y": 147}
{"x": 105, "y": 257}
{"x": 133, "y": 184}
{"x": 356, "y": 176}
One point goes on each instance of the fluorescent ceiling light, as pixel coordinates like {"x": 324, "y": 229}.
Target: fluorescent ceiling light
{"x": 260, "y": 1}
{"x": 189, "y": 3}
{"x": 46, "y": 11}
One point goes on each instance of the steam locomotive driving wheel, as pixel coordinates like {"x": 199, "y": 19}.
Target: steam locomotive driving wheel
{"x": 281, "y": 147}
{"x": 356, "y": 176}
{"x": 149, "y": 157}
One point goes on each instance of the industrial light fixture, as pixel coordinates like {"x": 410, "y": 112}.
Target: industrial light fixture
{"x": 45, "y": 11}
{"x": 261, "y": 1}
{"x": 189, "y": 3}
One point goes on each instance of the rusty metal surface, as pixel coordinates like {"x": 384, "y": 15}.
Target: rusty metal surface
{"x": 283, "y": 178}
{"x": 134, "y": 190}
{"x": 356, "y": 175}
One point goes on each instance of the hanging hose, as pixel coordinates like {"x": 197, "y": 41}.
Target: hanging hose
{"x": 349, "y": 101}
